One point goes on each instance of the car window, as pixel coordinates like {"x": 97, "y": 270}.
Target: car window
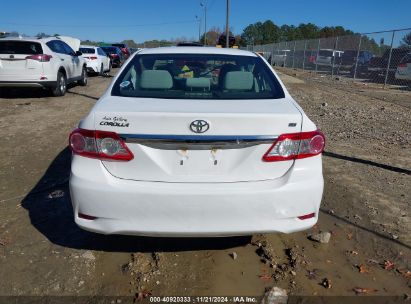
{"x": 20, "y": 47}
{"x": 325, "y": 53}
{"x": 87, "y": 50}
{"x": 56, "y": 47}
{"x": 349, "y": 53}
{"x": 198, "y": 76}
{"x": 109, "y": 50}
{"x": 68, "y": 50}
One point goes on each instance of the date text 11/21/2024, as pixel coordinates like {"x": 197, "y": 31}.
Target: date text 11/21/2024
{"x": 203, "y": 299}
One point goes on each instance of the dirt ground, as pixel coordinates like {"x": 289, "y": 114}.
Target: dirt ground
{"x": 366, "y": 208}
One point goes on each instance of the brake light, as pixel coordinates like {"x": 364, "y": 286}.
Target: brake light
{"x": 99, "y": 144}
{"x": 93, "y": 58}
{"x": 40, "y": 57}
{"x": 296, "y": 146}
{"x": 306, "y": 216}
{"x": 402, "y": 65}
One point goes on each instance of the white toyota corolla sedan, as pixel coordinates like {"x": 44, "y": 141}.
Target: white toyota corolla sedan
{"x": 196, "y": 141}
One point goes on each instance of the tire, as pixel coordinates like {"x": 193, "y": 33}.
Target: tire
{"x": 83, "y": 80}
{"x": 61, "y": 86}
{"x": 109, "y": 67}
{"x": 101, "y": 70}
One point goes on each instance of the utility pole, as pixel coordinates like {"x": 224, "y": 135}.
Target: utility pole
{"x": 199, "y": 28}
{"x": 227, "y": 27}
{"x": 205, "y": 21}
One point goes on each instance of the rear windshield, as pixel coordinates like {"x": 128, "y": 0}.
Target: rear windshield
{"x": 87, "y": 50}
{"x": 108, "y": 49}
{"x": 20, "y": 47}
{"x": 120, "y": 45}
{"x": 325, "y": 53}
{"x": 197, "y": 76}
{"x": 350, "y": 53}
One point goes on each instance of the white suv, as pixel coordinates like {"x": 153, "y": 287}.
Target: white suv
{"x": 191, "y": 141}
{"x": 47, "y": 62}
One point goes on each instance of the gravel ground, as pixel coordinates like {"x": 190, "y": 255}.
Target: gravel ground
{"x": 366, "y": 209}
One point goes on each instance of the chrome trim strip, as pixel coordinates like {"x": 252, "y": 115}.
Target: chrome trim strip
{"x": 197, "y": 142}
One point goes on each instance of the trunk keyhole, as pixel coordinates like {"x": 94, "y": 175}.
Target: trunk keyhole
{"x": 181, "y": 162}
{"x": 215, "y": 162}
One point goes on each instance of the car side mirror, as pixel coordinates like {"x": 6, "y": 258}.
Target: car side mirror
{"x": 78, "y": 53}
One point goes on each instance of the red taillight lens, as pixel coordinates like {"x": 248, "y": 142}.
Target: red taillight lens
{"x": 402, "y": 65}
{"x": 93, "y": 58}
{"x": 296, "y": 146}
{"x": 306, "y": 216}
{"x": 99, "y": 144}
{"x": 40, "y": 57}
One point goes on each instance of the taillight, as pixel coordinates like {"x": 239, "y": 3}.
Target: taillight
{"x": 99, "y": 144}
{"x": 40, "y": 57}
{"x": 93, "y": 58}
{"x": 402, "y": 65}
{"x": 296, "y": 146}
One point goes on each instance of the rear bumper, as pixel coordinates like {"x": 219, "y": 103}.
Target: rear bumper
{"x": 403, "y": 76}
{"x": 195, "y": 209}
{"x": 28, "y": 84}
{"x": 93, "y": 67}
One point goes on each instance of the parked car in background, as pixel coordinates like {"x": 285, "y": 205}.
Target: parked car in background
{"x": 377, "y": 67}
{"x": 279, "y": 57}
{"x": 175, "y": 148}
{"x": 49, "y": 63}
{"x": 329, "y": 58}
{"x": 115, "y": 54}
{"x": 96, "y": 59}
{"x": 349, "y": 60}
{"x": 403, "y": 71}
{"x": 124, "y": 49}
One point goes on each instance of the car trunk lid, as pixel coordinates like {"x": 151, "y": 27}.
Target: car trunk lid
{"x": 15, "y": 58}
{"x": 166, "y": 149}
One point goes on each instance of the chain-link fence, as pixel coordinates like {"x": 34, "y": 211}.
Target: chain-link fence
{"x": 380, "y": 57}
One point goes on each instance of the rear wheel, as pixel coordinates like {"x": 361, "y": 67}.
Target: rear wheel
{"x": 101, "y": 70}
{"x": 61, "y": 85}
{"x": 109, "y": 67}
{"x": 83, "y": 80}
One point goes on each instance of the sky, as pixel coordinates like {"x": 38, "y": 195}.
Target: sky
{"x": 141, "y": 20}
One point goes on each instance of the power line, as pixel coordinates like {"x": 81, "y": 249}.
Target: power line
{"x": 101, "y": 26}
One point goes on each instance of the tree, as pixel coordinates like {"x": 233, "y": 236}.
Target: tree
{"x": 308, "y": 31}
{"x": 212, "y": 35}
{"x": 406, "y": 41}
{"x": 42, "y": 35}
{"x": 270, "y": 32}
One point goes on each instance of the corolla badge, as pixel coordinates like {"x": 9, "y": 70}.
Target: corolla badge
{"x": 199, "y": 126}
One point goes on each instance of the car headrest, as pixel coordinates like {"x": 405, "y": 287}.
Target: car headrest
{"x": 198, "y": 83}
{"x": 156, "y": 79}
{"x": 238, "y": 80}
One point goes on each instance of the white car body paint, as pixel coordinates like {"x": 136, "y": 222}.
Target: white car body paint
{"x": 174, "y": 192}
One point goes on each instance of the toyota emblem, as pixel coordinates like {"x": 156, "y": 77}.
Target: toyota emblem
{"x": 199, "y": 126}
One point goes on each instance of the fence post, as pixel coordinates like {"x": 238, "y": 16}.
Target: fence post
{"x": 389, "y": 60}
{"x": 305, "y": 48}
{"x": 272, "y": 54}
{"x": 333, "y": 57}
{"x": 295, "y": 42}
{"x": 356, "y": 59}
{"x": 318, "y": 51}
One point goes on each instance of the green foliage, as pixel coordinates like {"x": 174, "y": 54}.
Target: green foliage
{"x": 268, "y": 32}
{"x": 406, "y": 41}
